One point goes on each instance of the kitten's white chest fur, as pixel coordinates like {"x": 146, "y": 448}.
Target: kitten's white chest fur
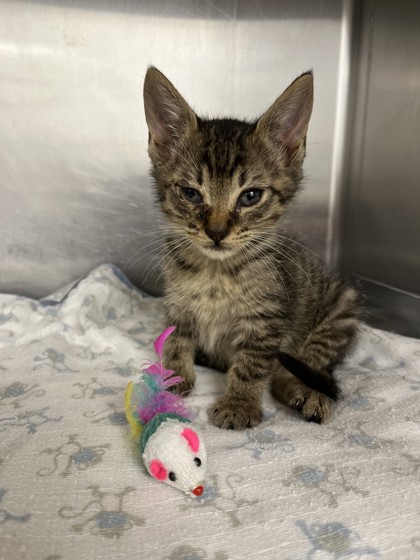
{"x": 212, "y": 301}
{"x": 215, "y": 322}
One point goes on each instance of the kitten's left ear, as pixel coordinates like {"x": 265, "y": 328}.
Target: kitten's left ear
{"x": 284, "y": 125}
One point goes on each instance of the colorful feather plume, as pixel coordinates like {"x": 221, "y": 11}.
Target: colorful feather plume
{"x": 150, "y": 396}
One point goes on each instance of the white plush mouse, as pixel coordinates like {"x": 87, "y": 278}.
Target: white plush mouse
{"x": 172, "y": 448}
{"x": 174, "y": 454}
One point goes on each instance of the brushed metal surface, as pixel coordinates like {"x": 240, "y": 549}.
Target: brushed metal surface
{"x": 382, "y": 223}
{"x": 391, "y": 309}
{"x": 74, "y": 180}
{"x": 380, "y": 212}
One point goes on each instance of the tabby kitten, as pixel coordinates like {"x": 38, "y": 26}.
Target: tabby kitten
{"x": 244, "y": 297}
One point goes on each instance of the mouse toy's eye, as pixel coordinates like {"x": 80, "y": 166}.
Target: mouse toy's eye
{"x": 192, "y": 195}
{"x": 172, "y": 476}
{"x": 197, "y": 461}
{"x": 249, "y": 198}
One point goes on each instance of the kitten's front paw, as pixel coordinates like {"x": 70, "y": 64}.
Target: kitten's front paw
{"x": 231, "y": 414}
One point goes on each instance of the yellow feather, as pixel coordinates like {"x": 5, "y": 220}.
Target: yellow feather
{"x": 135, "y": 427}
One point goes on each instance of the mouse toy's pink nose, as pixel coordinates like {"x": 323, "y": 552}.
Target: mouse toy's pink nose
{"x": 198, "y": 491}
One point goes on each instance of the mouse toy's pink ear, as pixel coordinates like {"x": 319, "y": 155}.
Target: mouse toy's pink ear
{"x": 157, "y": 470}
{"x": 192, "y": 439}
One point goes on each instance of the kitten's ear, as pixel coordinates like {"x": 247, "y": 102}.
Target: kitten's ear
{"x": 168, "y": 115}
{"x": 285, "y": 124}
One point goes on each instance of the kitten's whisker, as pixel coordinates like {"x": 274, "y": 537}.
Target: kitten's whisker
{"x": 256, "y": 251}
{"x": 152, "y": 242}
{"x": 140, "y": 258}
{"x": 275, "y": 234}
{"x": 283, "y": 267}
{"x": 157, "y": 260}
{"x": 284, "y": 253}
{"x": 138, "y": 254}
{"x": 270, "y": 268}
{"x": 141, "y": 234}
{"x": 291, "y": 240}
{"x": 172, "y": 248}
{"x": 158, "y": 254}
{"x": 294, "y": 262}
{"x": 156, "y": 230}
{"x": 161, "y": 232}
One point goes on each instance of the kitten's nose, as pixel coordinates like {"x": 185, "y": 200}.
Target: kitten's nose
{"x": 216, "y": 234}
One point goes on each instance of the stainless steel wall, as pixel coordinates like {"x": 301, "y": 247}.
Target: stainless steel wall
{"x": 379, "y": 219}
{"x": 74, "y": 180}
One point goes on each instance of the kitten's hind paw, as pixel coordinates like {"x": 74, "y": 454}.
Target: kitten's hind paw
{"x": 314, "y": 407}
{"x": 235, "y": 415}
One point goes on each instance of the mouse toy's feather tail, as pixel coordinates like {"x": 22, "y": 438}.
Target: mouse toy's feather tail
{"x": 151, "y": 395}
{"x": 155, "y": 400}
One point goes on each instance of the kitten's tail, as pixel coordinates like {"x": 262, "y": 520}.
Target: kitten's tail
{"x": 321, "y": 381}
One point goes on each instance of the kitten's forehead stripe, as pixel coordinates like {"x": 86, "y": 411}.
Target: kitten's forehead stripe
{"x": 199, "y": 176}
{"x": 207, "y": 162}
{"x": 238, "y": 161}
{"x": 223, "y": 147}
{"x": 243, "y": 176}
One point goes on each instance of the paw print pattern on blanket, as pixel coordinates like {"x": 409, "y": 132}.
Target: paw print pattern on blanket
{"x": 331, "y": 481}
{"x": 260, "y": 441}
{"x": 361, "y": 402}
{"x": 31, "y": 420}
{"x": 355, "y": 436}
{"x": 104, "y": 416}
{"x": 104, "y": 515}
{"x": 54, "y": 360}
{"x": 16, "y": 393}
{"x": 334, "y": 541}
{"x": 127, "y": 369}
{"x": 72, "y": 455}
{"x": 94, "y": 389}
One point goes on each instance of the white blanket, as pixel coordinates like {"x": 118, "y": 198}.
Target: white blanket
{"x": 72, "y": 484}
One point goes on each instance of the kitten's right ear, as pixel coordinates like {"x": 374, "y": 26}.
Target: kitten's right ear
{"x": 168, "y": 115}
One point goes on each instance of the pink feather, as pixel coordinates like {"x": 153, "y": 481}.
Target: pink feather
{"x": 153, "y": 394}
{"x": 161, "y": 339}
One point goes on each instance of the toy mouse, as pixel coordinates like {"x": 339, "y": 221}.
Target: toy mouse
{"x": 172, "y": 448}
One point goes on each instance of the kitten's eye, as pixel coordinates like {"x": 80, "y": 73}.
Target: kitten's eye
{"x": 249, "y": 198}
{"x": 192, "y": 195}
{"x": 197, "y": 461}
{"x": 172, "y": 476}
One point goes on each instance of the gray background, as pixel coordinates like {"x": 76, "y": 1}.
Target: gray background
{"x": 74, "y": 180}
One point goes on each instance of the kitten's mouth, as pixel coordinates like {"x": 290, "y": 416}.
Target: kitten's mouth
{"x": 217, "y": 248}
{"x": 216, "y": 251}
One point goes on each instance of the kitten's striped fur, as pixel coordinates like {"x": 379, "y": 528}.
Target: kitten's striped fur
{"x": 245, "y": 297}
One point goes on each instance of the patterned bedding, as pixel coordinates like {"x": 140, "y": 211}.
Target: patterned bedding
{"x": 72, "y": 484}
